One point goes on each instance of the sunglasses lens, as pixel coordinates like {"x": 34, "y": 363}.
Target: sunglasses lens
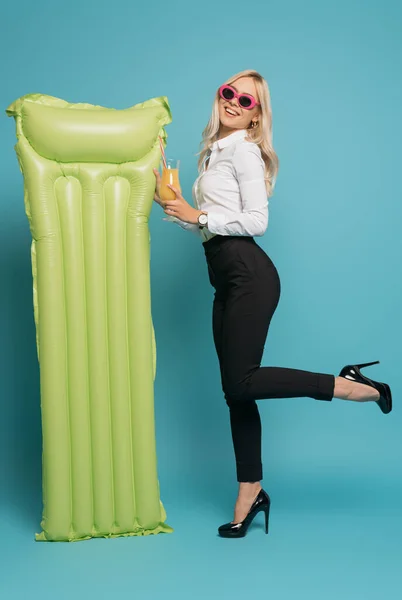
{"x": 227, "y": 93}
{"x": 244, "y": 101}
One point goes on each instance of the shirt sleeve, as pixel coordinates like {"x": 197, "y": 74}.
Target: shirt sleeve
{"x": 253, "y": 220}
{"x": 193, "y": 227}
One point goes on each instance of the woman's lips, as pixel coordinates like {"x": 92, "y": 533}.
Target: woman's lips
{"x": 230, "y": 114}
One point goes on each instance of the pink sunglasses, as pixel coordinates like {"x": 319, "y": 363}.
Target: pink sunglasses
{"x": 246, "y": 101}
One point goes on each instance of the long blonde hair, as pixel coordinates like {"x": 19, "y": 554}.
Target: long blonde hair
{"x": 260, "y": 135}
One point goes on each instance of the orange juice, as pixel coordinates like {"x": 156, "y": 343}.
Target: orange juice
{"x": 170, "y": 176}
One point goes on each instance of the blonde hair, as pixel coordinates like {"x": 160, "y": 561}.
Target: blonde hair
{"x": 260, "y": 135}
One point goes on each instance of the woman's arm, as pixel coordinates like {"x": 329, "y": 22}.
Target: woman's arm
{"x": 253, "y": 220}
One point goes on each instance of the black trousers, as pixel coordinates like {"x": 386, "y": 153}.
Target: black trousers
{"x": 247, "y": 291}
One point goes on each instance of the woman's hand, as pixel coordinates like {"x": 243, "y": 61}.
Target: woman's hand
{"x": 181, "y": 209}
{"x": 157, "y": 188}
{"x": 176, "y": 208}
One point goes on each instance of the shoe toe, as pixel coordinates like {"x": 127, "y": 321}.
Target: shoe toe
{"x": 230, "y": 529}
{"x": 385, "y": 400}
{"x": 226, "y": 527}
{"x": 384, "y": 405}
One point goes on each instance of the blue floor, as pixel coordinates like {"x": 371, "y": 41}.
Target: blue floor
{"x": 342, "y": 542}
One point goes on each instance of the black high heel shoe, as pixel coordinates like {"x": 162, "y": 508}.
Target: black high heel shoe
{"x": 261, "y": 502}
{"x": 353, "y": 372}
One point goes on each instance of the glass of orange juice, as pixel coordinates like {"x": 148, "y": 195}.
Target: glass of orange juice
{"x": 170, "y": 174}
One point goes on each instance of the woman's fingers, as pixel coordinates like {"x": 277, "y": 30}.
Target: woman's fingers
{"x": 157, "y": 186}
{"x": 170, "y": 207}
{"x": 157, "y": 179}
{"x": 175, "y": 190}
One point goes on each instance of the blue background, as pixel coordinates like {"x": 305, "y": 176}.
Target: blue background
{"x": 333, "y": 470}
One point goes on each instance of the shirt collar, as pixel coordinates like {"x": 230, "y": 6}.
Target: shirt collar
{"x": 229, "y": 139}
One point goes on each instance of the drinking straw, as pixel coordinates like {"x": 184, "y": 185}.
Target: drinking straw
{"x": 163, "y": 151}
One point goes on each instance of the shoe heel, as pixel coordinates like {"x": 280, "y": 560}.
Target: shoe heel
{"x": 266, "y": 510}
{"x": 376, "y": 362}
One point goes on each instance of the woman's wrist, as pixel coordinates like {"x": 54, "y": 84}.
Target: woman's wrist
{"x": 202, "y": 221}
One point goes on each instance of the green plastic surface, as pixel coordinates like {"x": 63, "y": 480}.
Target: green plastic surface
{"x": 88, "y": 193}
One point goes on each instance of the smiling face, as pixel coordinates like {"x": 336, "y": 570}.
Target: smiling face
{"x": 232, "y": 116}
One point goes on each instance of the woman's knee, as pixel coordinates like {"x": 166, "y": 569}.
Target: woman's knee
{"x": 236, "y": 392}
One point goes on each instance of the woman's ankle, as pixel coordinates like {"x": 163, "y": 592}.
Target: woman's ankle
{"x": 249, "y": 487}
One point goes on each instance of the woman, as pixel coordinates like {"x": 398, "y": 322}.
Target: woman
{"x": 237, "y": 169}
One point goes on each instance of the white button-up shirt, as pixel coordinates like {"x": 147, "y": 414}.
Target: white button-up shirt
{"x": 231, "y": 190}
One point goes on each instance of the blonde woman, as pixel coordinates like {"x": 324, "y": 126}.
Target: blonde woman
{"x": 237, "y": 171}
